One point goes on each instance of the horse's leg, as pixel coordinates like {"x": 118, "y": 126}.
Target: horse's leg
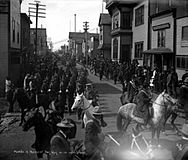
{"x": 22, "y": 116}
{"x": 127, "y": 121}
{"x": 153, "y": 130}
{"x": 158, "y": 135}
{"x": 173, "y": 118}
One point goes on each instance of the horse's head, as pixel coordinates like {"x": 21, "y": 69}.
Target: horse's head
{"x": 32, "y": 117}
{"x": 168, "y": 100}
{"x": 29, "y": 119}
{"x": 78, "y": 102}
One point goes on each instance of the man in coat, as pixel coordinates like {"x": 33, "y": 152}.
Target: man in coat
{"x": 94, "y": 137}
{"x": 60, "y": 146}
{"x": 143, "y": 99}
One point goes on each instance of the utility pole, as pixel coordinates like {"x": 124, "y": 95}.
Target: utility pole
{"x": 86, "y": 27}
{"x": 38, "y": 7}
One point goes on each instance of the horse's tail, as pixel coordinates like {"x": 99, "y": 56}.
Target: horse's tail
{"x": 119, "y": 122}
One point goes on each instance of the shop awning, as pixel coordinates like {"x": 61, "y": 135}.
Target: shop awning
{"x": 160, "y": 50}
{"x": 103, "y": 46}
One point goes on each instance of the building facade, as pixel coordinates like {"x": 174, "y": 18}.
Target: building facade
{"x": 10, "y": 41}
{"x": 121, "y": 13}
{"x": 41, "y": 40}
{"x": 105, "y": 35}
{"x": 168, "y": 35}
{"x": 140, "y": 30}
{"x": 25, "y": 43}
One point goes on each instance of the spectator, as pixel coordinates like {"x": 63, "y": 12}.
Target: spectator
{"x": 9, "y": 89}
{"x": 172, "y": 82}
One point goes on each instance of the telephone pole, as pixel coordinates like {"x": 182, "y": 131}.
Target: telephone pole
{"x": 86, "y": 27}
{"x": 37, "y": 10}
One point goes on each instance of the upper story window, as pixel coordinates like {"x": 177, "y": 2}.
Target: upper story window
{"x": 18, "y": 33}
{"x": 115, "y": 48}
{"x": 126, "y": 20}
{"x": 161, "y": 38}
{"x": 115, "y": 21}
{"x": 139, "y": 49}
{"x": 13, "y": 30}
{"x": 185, "y": 33}
{"x": 139, "y": 16}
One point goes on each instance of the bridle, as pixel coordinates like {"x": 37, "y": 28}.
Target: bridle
{"x": 163, "y": 101}
{"x": 83, "y": 105}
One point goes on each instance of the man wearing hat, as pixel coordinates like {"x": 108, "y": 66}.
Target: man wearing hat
{"x": 94, "y": 137}
{"x": 143, "y": 102}
{"x": 60, "y": 147}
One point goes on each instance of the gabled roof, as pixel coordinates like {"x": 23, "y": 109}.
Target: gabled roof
{"x": 104, "y": 19}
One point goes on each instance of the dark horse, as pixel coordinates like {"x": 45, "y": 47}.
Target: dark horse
{"x": 43, "y": 131}
{"x": 26, "y": 103}
{"x": 23, "y": 101}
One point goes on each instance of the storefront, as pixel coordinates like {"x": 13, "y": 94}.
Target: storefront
{"x": 162, "y": 57}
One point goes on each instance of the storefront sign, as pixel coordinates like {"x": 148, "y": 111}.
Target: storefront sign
{"x": 162, "y": 26}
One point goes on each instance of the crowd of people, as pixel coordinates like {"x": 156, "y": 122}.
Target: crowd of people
{"x": 62, "y": 84}
{"x": 132, "y": 71}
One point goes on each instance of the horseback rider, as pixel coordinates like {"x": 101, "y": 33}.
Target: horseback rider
{"x": 60, "y": 145}
{"x": 143, "y": 100}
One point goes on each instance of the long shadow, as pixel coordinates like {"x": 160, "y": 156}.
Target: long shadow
{"x": 106, "y": 89}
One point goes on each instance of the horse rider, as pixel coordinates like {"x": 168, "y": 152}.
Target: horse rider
{"x": 94, "y": 137}
{"x": 60, "y": 146}
{"x": 9, "y": 90}
{"x": 143, "y": 100}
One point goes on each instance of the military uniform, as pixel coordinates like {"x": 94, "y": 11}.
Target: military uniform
{"x": 92, "y": 140}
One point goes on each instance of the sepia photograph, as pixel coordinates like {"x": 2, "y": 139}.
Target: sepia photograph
{"x": 93, "y": 79}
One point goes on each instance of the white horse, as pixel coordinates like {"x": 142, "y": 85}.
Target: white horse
{"x": 157, "y": 119}
{"x": 88, "y": 109}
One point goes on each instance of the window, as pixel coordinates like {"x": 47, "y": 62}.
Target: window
{"x": 139, "y": 16}
{"x": 139, "y": 49}
{"x": 182, "y": 62}
{"x": 13, "y": 30}
{"x": 115, "y": 48}
{"x": 185, "y": 33}
{"x": 161, "y": 38}
{"x": 126, "y": 20}
{"x": 116, "y": 21}
{"x": 18, "y": 34}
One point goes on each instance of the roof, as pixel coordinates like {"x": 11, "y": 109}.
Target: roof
{"x": 104, "y": 19}
{"x": 159, "y": 50}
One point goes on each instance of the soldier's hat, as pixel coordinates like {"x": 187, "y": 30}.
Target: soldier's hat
{"x": 65, "y": 124}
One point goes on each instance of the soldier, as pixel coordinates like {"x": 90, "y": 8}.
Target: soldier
{"x": 143, "y": 100}
{"x": 60, "y": 146}
{"x": 172, "y": 82}
{"x": 94, "y": 137}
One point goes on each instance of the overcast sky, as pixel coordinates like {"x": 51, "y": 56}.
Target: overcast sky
{"x": 59, "y": 19}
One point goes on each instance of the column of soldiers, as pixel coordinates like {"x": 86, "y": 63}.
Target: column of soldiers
{"x": 127, "y": 71}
